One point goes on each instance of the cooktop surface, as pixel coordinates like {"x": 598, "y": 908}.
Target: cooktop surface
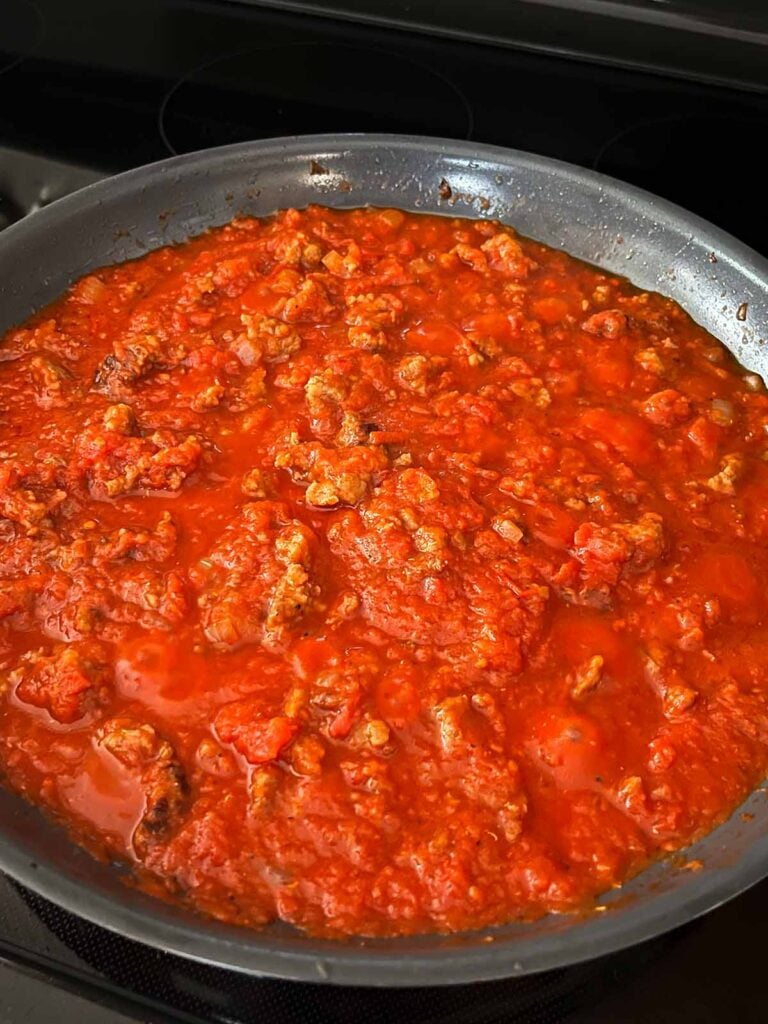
{"x": 88, "y": 89}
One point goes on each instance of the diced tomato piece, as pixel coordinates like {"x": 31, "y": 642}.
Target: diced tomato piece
{"x": 627, "y": 434}
{"x": 257, "y": 737}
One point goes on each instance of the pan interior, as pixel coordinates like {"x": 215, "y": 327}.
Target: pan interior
{"x": 721, "y": 283}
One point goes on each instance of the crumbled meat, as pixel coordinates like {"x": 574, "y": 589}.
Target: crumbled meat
{"x": 307, "y": 755}
{"x": 608, "y": 323}
{"x": 732, "y": 469}
{"x": 253, "y": 484}
{"x": 336, "y": 694}
{"x": 449, "y": 714}
{"x": 631, "y": 793}
{"x": 272, "y": 339}
{"x": 68, "y": 683}
{"x": 113, "y": 464}
{"x": 262, "y": 788}
{"x": 474, "y": 258}
{"x": 532, "y": 390}
{"x": 310, "y": 303}
{"x": 49, "y": 378}
{"x": 345, "y": 265}
{"x": 610, "y": 551}
{"x": 352, "y": 431}
{"x": 162, "y": 595}
{"x": 343, "y": 608}
{"x": 119, "y": 419}
{"x": 367, "y": 316}
{"x": 373, "y": 311}
{"x": 508, "y": 529}
{"x": 141, "y": 750}
{"x": 417, "y": 485}
{"x": 413, "y": 372}
{"x": 333, "y": 476}
{"x": 325, "y": 391}
{"x": 251, "y": 391}
{"x": 677, "y": 697}
{"x": 650, "y": 360}
{"x": 256, "y": 585}
{"x": 588, "y": 677}
{"x": 214, "y": 760}
{"x": 208, "y": 398}
{"x": 133, "y": 359}
{"x": 666, "y": 408}
{"x": 504, "y": 253}
{"x": 29, "y": 496}
{"x": 157, "y": 545}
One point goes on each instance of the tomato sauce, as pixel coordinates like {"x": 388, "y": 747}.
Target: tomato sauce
{"x": 380, "y": 573}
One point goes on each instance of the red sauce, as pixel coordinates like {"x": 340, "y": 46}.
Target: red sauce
{"x": 378, "y": 572}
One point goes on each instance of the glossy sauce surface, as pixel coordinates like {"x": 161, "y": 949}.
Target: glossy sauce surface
{"x": 378, "y": 572}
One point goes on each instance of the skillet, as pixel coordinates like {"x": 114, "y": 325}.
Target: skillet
{"x": 720, "y": 282}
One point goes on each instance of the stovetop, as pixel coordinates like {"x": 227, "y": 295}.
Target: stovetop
{"x": 89, "y": 88}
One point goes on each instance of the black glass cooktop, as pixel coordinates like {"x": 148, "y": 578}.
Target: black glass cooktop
{"x": 89, "y": 88}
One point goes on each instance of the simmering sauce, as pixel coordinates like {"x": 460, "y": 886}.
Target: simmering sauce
{"x": 378, "y": 572}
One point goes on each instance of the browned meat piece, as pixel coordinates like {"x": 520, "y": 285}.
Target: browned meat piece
{"x": 28, "y": 496}
{"x": 120, "y": 419}
{"x": 666, "y": 408}
{"x": 253, "y": 484}
{"x": 609, "y": 551}
{"x": 156, "y": 545}
{"x": 49, "y": 378}
{"x": 588, "y": 677}
{"x": 610, "y": 323}
{"x": 113, "y": 464}
{"x": 162, "y": 596}
{"x": 133, "y": 359}
{"x": 367, "y": 315}
{"x": 141, "y": 750}
{"x": 270, "y": 339}
{"x": 504, "y": 253}
{"x": 334, "y": 476}
{"x": 325, "y": 392}
{"x": 310, "y": 303}
{"x": 256, "y": 583}
{"x": 67, "y": 683}
{"x": 676, "y": 696}
{"x": 419, "y": 373}
{"x": 732, "y": 468}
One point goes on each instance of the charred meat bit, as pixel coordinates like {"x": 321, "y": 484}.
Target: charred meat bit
{"x": 152, "y": 760}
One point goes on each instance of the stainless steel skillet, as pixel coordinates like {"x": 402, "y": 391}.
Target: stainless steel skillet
{"x": 721, "y": 283}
